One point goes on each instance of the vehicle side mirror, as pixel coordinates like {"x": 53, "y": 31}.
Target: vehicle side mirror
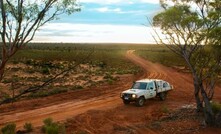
{"x": 151, "y": 88}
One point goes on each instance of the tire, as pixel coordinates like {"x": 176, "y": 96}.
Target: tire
{"x": 126, "y": 102}
{"x": 163, "y": 96}
{"x": 140, "y": 101}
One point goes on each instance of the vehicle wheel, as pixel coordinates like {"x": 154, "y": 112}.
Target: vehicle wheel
{"x": 163, "y": 96}
{"x": 140, "y": 101}
{"x": 126, "y": 102}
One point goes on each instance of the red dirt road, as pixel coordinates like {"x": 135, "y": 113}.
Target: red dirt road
{"x": 100, "y": 110}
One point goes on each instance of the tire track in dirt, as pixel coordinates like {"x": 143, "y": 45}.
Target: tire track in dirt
{"x": 158, "y": 71}
{"x": 60, "y": 112}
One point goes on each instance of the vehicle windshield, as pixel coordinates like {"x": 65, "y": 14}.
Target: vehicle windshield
{"x": 139, "y": 85}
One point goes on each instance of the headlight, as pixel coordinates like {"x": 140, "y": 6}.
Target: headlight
{"x": 134, "y": 95}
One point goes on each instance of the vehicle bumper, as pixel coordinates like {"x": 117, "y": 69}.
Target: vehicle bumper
{"x": 128, "y": 97}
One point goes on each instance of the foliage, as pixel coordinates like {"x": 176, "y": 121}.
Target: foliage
{"x": 9, "y": 129}
{"x": 45, "y": 70}
{"x": 47, "y": 93}
{"x": 188, "y": 27}
{"x": 28, "y": 127}
{"x": 216, "y": 107}
{"x": 51, "y": 127}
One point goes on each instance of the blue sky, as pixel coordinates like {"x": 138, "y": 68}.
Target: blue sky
{"x": 108, "y": 21}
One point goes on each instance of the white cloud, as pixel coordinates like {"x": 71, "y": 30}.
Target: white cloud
{"x": 107, "y": 9}
{"x": 150, "y": 1}
{"x": 119, "y": 1}
{"x": 94, "y": 33}
{"x": 100, "y": 1}
{"x": 102, "y": 9}
{"x": 120, "y": 11}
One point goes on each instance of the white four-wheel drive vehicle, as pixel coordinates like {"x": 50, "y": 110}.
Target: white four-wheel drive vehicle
{"x": 146, "y": 89}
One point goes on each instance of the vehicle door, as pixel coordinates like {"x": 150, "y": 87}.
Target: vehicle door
{"x": 151, "y": 90}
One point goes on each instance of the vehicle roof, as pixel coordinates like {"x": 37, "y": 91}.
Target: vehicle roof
{"x": 149, "y": 80}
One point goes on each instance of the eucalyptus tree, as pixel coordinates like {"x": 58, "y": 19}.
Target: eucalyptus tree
{"x": 21, "y": 19}
{"x": 191, "y": 29}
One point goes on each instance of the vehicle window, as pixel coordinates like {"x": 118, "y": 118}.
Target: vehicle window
{"x": 151, "y": 85}
{"x": 165, "y": 84}
{"x": 139, "y": 85}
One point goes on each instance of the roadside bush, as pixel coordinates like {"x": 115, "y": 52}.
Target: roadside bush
{"x": 28, "y": 127}
{"x": 218, "y": 119}
{"x": 9, "y": 129}
{"x": 4, "y": 96}
{"x": 15, "y": 62}
{"x": 5, "y": 81}
{"x": 45, "y": 70}
{"x": 51, "y": 127}
{"x": 48, "y": 121}
{"x": 109, "y": 81}
{"x": 216, "y": 107}
{"x": 29, "y": 62}
{"x": 108, "y": 76}
{"x": 47, "y": 93}
{"x": 102, "y": 64}
{"x": 30, "y": 71}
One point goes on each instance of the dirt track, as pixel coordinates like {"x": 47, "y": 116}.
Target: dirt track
{"x": 100, "y": 110}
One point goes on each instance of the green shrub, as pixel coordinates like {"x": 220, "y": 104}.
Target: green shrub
{"x": 9, "y": 129}
{"x": 51, "y": 127}
{"x": 108, "y": 76}
{"x": 15, "y": 62}
{"x": 30, "y": 71}
{"x": 109, "y": 81}
{"x": 216, "y": 107}
{"x": 5, "y": 81}
{"x": 45, "y": 70}
{"x": 47, "y": 93}
{"x": 102, "y": 64}
{"x": 28, "y": 127}
{"x": 48, "y": 121}
{"x": 29, "y": 62}
{"x": 4, "y": 96}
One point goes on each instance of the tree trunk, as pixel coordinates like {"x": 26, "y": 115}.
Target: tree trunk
{"x": 196, "y": 83}
{"x": 197, "y": 98}
{"x": 208, "y": 112}
{"x": 2, "y": 69}
{"x": 196, "y": 94}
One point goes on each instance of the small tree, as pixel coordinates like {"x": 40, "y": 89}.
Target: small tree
{"x": 190, "y": 28}
{"x": 9, "y": 129}
{"x": 20, "y": 19}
